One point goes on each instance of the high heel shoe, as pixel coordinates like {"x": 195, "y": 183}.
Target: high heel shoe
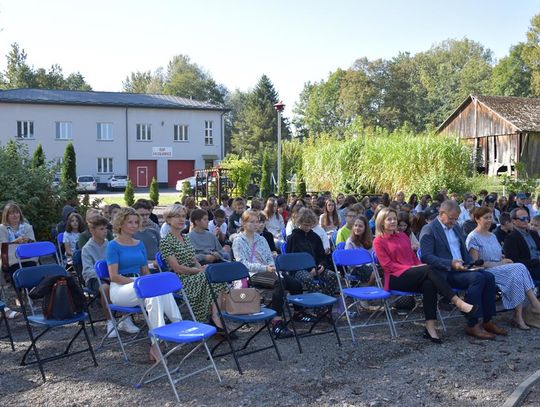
{"x": 471, "y": 312}
{"x": 153, "y": 355}
{"x": 427, "y": 335}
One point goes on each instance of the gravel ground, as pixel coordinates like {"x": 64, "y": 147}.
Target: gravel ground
{"x": 374, "y": 371}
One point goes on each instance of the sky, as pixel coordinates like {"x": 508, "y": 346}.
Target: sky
{"x": 237, "y": 41}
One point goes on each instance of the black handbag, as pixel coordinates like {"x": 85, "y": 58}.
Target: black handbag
{"x": 265, "y": 279}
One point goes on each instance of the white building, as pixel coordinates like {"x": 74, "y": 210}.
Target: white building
{"x": 140, "y": 135}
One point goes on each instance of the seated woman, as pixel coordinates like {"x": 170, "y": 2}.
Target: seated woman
{"x": 274, "y": 223}
{"x": 266, "y": 234}
{"x": 74, "y": 227}
{"x": 304, "y": 239}
{"x": 126, "y": 259}
{"x": 404, "y": 272}
{"x": 404, "y": 225}
{"x": 207, "y": 247}
{"x": 361, "y": 238}
{"x": 179, "y": 253}
{"x": 14, "y": 230}
{"x": 329, "y": 220}
{"x": 513, "y": 279}
{"x": 253, "y": 251}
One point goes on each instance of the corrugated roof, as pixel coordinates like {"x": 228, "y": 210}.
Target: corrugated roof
{"x": 524, "y": 113}
{"x": 118, "y": 99}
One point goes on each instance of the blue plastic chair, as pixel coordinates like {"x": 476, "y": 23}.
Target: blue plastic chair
{"x": 360, "y": 257}
{"x": 27, "y": 278}
{"x": 180, "y": 333}
{"x": 161, "y": 262}
{"x": 227, "y": 273}
{"x": 340, "y": 246}
{"x": 61, "y": 250}
{"x": 6, "y": 323}
{"x": 102, "y": 272}
{"x": 284, "y": 248}
{"x": 284, "y": 233}
{"x": 291, "y": 263}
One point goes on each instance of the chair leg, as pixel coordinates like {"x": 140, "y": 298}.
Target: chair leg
{"x": 286, "y": 306}
{"x": 272, "y": 338}
{"x": 9, "y": 336}
{"x": 89, "y": 343}
{"x": 333, "y": 324}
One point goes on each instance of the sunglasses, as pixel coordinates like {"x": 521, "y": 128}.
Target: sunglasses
{"x": 523, "y": 219}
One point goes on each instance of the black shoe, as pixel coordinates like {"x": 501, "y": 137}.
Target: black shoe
{"x": 438, "y": 341}
{"x": 280, "y": 330}
{"x": 304, "y": 317}
{"x": 471, "y": 313}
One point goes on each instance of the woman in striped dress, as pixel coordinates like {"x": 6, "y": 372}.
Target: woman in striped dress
{"x": 513, "y": 279}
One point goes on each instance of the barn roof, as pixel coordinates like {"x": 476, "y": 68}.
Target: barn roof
{"x": 523, "y": 113}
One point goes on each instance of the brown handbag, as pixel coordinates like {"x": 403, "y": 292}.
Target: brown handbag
{"x": 240, "y": 301}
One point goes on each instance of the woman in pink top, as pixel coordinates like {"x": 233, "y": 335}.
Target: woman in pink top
{"x": 404, "y": 272}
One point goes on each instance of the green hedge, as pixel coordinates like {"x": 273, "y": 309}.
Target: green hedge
{"x": 378, "y": 161}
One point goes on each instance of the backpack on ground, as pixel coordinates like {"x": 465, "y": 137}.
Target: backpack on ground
{"x": 62, "y": 297}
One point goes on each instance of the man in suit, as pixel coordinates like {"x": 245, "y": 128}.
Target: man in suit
{"x": 521, "y": 245}
{"x": 443, "y": 247}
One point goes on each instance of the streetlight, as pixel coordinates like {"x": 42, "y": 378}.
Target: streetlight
{"x": 279, "y": 108}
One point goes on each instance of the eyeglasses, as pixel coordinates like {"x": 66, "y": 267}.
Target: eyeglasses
{"x": 523, "y": 219}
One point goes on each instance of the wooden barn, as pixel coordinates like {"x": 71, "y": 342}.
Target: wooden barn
{"x": 502, "y": 130}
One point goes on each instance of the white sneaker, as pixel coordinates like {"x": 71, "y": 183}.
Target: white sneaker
{"x": 111, "y": 329}
{"x": 128, "y": 326}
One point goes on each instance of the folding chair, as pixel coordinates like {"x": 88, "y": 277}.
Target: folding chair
{"x": 31, "y": 250}
{"x": 290, "y": 263}
{"x": 284, "y": 248}
{"x": 360, "y": 257}
{"x": 91, "y": 295}
{"x": 102, "y": 272}
{"x": 61, "y": 250}
{"x": 8, "y": 331}
{"x": 227, "y": 273}
{"x": 340, "y": 246}
{"x": 162, "y": 265}
{"x": 180, "y": 333}
{"x": 27, "y": 278}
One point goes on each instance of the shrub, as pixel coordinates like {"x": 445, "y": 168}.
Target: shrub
{"x": 68, "y": 175}
{"x": 129, "y": 194}
{"x": 154, "y": 191}
{"x": 265, "y": 175}
{"x": 239, "y": 172}
{"x": 30, "y": 187}
{"x": 186, "y": 190}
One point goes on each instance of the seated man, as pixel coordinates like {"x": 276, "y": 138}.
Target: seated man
{"x": 505, "y": 227}
{"x": 94, "y": 250}
{"x": 218, "y": 226}
{"x": 443, "y": 247}
{"x": 345, "y": 232}
{"x": 207, "y": 247}
{"x": 522, "y": 245}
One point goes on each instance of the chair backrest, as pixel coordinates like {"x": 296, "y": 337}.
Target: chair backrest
{"x": 419, "y": 253}
{"x": 153, "y": 285}
{"x": 375, "y": 259}
{"x": 284, "y": 247}
{"x": 77, "y": 257}
{"x": 352, "y": 257}
{"x": 340, "y": 246}
{"x": 29, "y": 277}
{"x": 161, "y": 262}
{"x": 226, "y": 272}
{"x": 35, "y": 249}
{"x": 333, "y": 237}
{"x": 102, "y": 270}
{"x": 295, "y": 262}
{"x": 284, "y": 233}
{"x": 60, "y": 238}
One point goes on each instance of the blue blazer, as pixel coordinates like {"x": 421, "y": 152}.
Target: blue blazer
{"x": 435, "y": 249}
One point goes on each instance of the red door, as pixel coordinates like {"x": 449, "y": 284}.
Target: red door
{"x": 141, "y": 172}
{"x": 179, "y": 169}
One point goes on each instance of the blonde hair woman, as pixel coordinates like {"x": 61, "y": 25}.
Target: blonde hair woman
{"x": 404, "y": 272}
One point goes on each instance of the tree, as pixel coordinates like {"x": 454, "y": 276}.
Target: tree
{"x": 265, "y": 175}
{"x": 239, "y": 172}
{"x": 68, "y": 174}
{"x": 256, "y": 127}
{"x": 129, "y": 194}
{"x": 154, "y": 191}
{"x": 19, "y": 74}
{"x": 511, "y": 76}
{"x": 531, "y": 54}
{"x": 38, "y": 158}
{"x": 282, "y": 184}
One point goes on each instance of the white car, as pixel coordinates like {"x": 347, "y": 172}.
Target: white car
{"x": 86, "y": 183}
{"x": 180, "y": 183}
{"x": 117, "y": 182}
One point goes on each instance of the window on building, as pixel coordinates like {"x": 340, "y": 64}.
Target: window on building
{"x": 180, "y": 132}
{"x": 208, "y": 164}
{"x": 63, "y": 131}
{"x": 208, "y": 133}
{"x": 104, "y": 131}
{"x": 104, "y": 165}
{"x": 144, "y": 132}
{"x": 25, "y": 129}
